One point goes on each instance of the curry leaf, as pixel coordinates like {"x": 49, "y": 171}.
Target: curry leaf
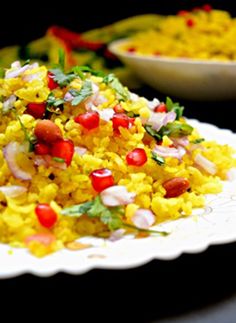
{"x": 176, "y": 129}
{"x": 158, "y": 159}
{"x": 153, "y": 132}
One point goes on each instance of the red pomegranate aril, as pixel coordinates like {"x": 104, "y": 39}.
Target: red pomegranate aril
{"x": 131, "y": 50}
{"x": 118, "y": 109}
{"x": 161, "y": 108}
{"x": 136, "y": 157}
{"x": 41, "y": 149}
{"x": 89, "y": 120}
{"x": 63, "y": 149}
{"x": 190, "y": 22}
{"x": 120, "y": 120}
{"x": 182, "y": 13}
{"x": 47, "y": 217}
{"x": 101, "y": 179}
{"x": 207, "y": 7}
{"x": 51, "y": 83}
{"x": 37, "y": 110}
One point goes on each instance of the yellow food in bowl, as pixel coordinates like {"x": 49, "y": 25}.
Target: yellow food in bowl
{"x": 81, "y": 155}
{"x": 199, "y": 34}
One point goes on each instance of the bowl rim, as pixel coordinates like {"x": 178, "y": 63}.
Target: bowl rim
{"x": 114, "y": 48}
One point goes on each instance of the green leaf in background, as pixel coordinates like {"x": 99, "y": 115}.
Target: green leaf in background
{"x": 85, "y": 92}
{"x": 61, "y": 60}
{"x": 2, "y": 73}
{"x": 79, "y": 70}
{"x": 174, "y": 106}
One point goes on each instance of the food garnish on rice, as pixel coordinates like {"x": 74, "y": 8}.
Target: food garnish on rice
{"x": 82, "y": 155}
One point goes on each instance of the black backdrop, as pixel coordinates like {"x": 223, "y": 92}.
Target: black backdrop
{"x": 199, "y": 288}
{"x": 26, "y": 20}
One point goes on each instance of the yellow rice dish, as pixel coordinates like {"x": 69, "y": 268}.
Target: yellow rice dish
{"x": 203, "y": 34}
{"x": 82, "y": 155}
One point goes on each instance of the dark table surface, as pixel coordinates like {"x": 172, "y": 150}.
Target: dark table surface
{"x": 192, "y": 288}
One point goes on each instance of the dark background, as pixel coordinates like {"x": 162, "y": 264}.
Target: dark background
{"x": 192, "y": 288}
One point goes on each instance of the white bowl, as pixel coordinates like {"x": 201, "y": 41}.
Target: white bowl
{"x": 184, "y": 78}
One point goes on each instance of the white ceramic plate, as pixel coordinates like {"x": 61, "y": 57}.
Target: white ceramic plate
{"x": 214, "y": 224}
{"x": 185, "y": 78}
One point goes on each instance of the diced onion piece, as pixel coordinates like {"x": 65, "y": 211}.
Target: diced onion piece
{"x": 117, "y": 235}
{"x": 9, "y": 103}
{"x": 10, "y": 153}
{"x": 159, "y": 119}
{"x": 13, "y": 190}
{"x": 117, "y": 195}
{"x": 182, "y": 141}
{"x": 143, "y": 218}
{"x": 16, "y": 72}
{"x": 153, "y": 104}
{"x": 206, "y": 164}
{"x": 80, "y": 150}
{"x": 162, "y": 151}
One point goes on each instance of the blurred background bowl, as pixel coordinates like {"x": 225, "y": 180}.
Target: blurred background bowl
{"x": 183, "y": 78}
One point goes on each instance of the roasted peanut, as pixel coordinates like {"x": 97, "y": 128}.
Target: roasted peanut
{"x": 176, "y": 186}
{"x": 47, "y": 131}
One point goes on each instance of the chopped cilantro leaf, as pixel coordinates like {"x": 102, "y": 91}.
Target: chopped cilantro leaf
{"x": 112, "y": 80}
{"x": 85, "y": 92}
{"x": 158, "y": 159}
{"x": 61, "y": 78}
{"x": 174, "y": 106}
{"x": 176, "y": 129}
{"x": 197, "y": 141}
{"x": 58, "y": 159}
{"x": 52, "y": 101}
{"x": 86, "y": 69}
{"x": 153, "y": 132}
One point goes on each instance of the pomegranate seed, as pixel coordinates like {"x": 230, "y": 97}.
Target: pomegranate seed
{"x": 47, "y": 217}
{"x": 120, "y": 120}
{"x": 190, "y": 22}
{"x": 41, "y": 149}
{"x": 207, "y": 7}
{"x": 37, "y": 110}
{"x": 161, "y": 108}
{"x": 51, "y": 83}
{"x": 182, "y": 13}
{"x": 136, "y": 157}
{"x": 89, "y": 120}
{"x": 118, "y": 109}
{"x": 131, "y": 50}
{"x": 64, "y": 149}
{"x": 101, "y": 179}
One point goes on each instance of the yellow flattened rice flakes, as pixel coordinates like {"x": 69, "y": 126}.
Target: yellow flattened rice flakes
{"x": 81, "y": 155}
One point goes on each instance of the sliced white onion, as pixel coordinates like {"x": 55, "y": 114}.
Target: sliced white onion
{"x": 143, "y": 218}
{"x": 162, "y": 151}
{"x": 13, "y": 190}
{"x": 16, "y": 64}
{"x": 153, "y": 104}
{"x": 31, "y": 77}
{"x": 117, "y": 195}
{"x": 182, "y": 141}
{"x": 48, "y": 161}
{"x": 133, "y": 97}
{"x": 68, "y": 97}
{"x": 16, "y": 72}
{"x": 9, "y": 103}
{"x": 160, "y": 119}
{"x": 231, "y": 174}
{"x": 95, "y": 88}
{"x": 34, "y": 65}
{"x": 10, "y": 153}
{"x": 80, "y": 150}
{"x": 117, "y": 235}
{"x": 206, "y": 164}
{"x": 100, "y": 99}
